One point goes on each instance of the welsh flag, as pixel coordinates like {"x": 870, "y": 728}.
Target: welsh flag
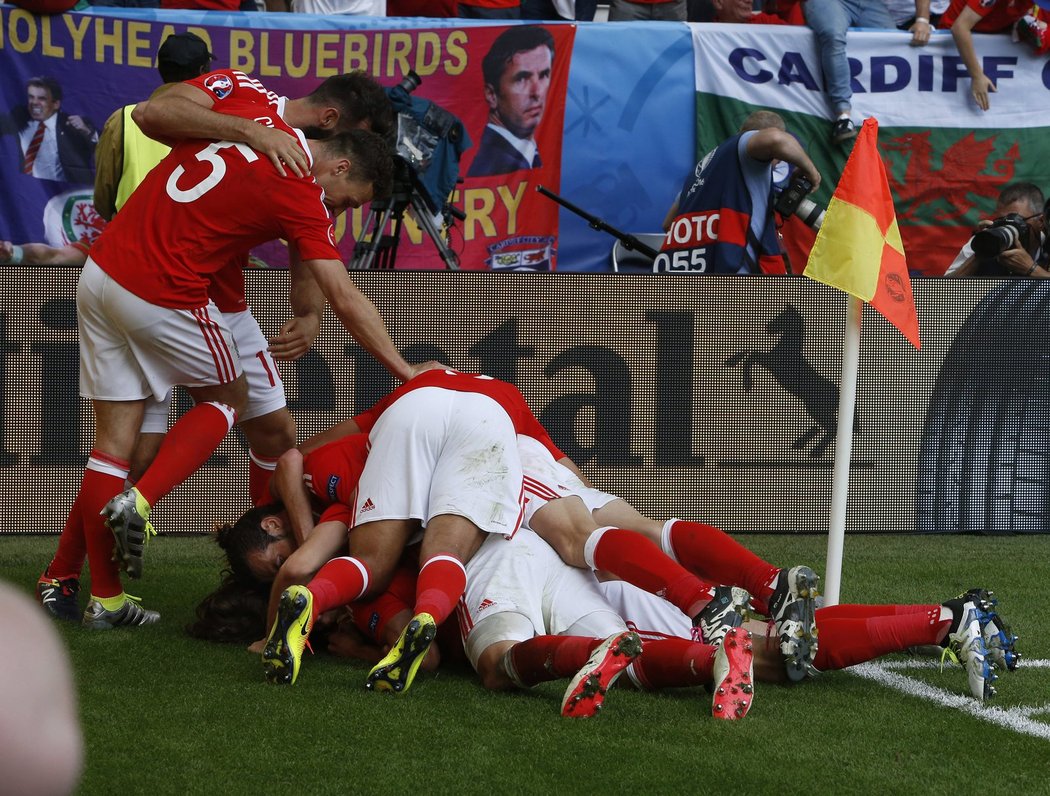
{"x": 859, "y": 248}
{"x": 945, "y": 159}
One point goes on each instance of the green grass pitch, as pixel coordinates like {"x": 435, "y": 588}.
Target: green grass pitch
{"x": 163, "y": 713}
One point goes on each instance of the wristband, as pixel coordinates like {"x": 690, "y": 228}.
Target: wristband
{"x": 1031, "y": 270}
{"x": 16, "y": 255}
{"x": 922, "y": 19}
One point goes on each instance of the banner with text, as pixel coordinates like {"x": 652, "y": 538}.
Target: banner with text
{"x": 946, "y": 159}
{"x": 98, "y": 63}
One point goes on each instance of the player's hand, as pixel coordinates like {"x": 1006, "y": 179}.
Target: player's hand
{"x": 6, "y": 250}
{"x": 257, "y": 647}
{"x": 980, "y": 87}
{"x": 920, "y": 34}
{"x": 281, "y": 148}
{"x": 423, "y": 367}
{"x": 295, "y": 338}
{"x": 1017, "y": 261}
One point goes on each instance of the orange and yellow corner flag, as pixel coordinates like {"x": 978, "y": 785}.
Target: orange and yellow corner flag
{"x": 858, "y": 248}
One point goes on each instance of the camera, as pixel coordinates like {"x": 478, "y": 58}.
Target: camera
{"x": 794, "y": 201}
{"x": 1005, "y": 233}
{"x": 410, "y": 82}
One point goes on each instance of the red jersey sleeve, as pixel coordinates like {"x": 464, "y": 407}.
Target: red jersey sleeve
{"x": 332, "y": 471}
{"x": 337, "y": 512}
{"x": 233, "y": 86}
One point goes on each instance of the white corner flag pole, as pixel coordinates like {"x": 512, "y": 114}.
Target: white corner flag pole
{"x": 843, "y": 450}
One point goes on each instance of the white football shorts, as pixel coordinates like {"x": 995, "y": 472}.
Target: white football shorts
{"x": 519, "y": 588}
{"x": 436, "y": 451}
{"x": 265, "y": 388}
{"x": 546, "y": 480}
{"x": 131, "y": 349}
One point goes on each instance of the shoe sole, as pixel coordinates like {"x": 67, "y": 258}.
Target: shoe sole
{"x": 395, "y": 673}
{"x": 799, "y": 645}
{"x": 733, "y": 696}
{"x": 283, "y": 652}
{"x": 586, "y": 692}
{"x": 130, "y": 540}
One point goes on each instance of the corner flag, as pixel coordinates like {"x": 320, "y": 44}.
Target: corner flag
{"x": 858, "y": 248}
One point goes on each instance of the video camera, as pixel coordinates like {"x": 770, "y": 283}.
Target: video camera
{"x": 428, "y": 145}
{"x": 794, "y": 201}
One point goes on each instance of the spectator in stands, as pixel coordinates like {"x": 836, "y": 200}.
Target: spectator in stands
{"x": 490, "y": 9}
{"x": 918, "y": 17}
{"x": 1027, "y": 256}
{"x": 54, "y": 144}
{"x": 964, "y": 17}
{"x": 517, "y": 75}
{"x": 125, "y": 154}
{"x": 634, "y": 10}
{"x": 371, "y": 8}
{"x": 559, "y": 10}
{"x": 722, "y": 221}
{"x": 772, "y": 13}
{"x": 829, "y": 20}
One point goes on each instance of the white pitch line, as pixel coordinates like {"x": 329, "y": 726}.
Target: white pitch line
{"x": 1016, "y": 719}
{"x": 936, "y": 664}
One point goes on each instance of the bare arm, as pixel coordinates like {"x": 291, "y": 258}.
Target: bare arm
{"x": 326, "y": 542}
{"x": 341, "y": 429}
{"x": 307, "y": 303}
{"x": 179, "y": 111}
{"x": 962, "y": 32}
{"x": 361, "y": 318}
{"x": 770, "y": 144}
{"x": 287, "y": 485}
{"x": 921, "y": 28}
{"x": 672, "y": 214}
{"x": 42, "y": 254}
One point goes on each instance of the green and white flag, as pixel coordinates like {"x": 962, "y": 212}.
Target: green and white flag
{"x": 946, "y": 159}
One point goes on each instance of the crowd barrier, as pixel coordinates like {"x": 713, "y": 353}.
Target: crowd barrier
{"x": 709, "y": 398}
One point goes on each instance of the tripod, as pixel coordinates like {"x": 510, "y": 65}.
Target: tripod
{"x": 376, "y": 250}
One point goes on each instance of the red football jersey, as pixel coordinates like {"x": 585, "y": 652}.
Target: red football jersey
{"x": 332, "y": 471}
{"x": 204, "y": 206}
{"x": 505, "y": 394}
{"x": 234, "y": 87}
{"x": 996, "y": 15}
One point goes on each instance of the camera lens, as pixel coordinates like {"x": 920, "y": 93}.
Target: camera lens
{"x": 410, "y": 82}
{"x": 994, "y": 241}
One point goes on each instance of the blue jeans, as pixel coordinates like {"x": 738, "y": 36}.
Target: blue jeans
{"x": 829, "y": 20}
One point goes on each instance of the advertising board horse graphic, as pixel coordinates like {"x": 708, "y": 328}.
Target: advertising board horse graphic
{"x": 787, "y": 364}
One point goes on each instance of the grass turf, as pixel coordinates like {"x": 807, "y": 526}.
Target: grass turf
{"x": 164, "y": 713}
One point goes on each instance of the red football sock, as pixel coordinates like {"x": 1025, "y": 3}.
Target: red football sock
{"x": 860, "y": 611}
{"x": 103, "y": 479}
{"x": 372, "y": 616}
{"x": 260, "y": 471}
{"x": 186, "y": 446}
{"x": 441, "y": 582}
{"x": 72, "y": 547}
{"x": 674, "y": 663}
{"x": 546, "y": 658}
{"x": 635, "y": 559}
{"x": 847, "y": 641}
{"x": 337, "y": 583}
{"x": 712, "y": 554}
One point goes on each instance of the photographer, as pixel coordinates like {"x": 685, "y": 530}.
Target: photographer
{"x": 1010, "y": 243}
{"x": 722, "y": 221}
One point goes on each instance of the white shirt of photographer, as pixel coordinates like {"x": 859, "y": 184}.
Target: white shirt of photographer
{"x": 370, "y": 8}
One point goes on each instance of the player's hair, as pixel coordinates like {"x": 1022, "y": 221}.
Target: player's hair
{"x": 233, "y": 613}
{"x": 1022, "y": 191}
{"x": 53, "y": 86}
{"x": 760, "y": 120}
{"x": 244, "y": 536}
{"x": 512, "y": 41}
{"x": 359, "y": 98}
{"x": 370, "y": 157}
